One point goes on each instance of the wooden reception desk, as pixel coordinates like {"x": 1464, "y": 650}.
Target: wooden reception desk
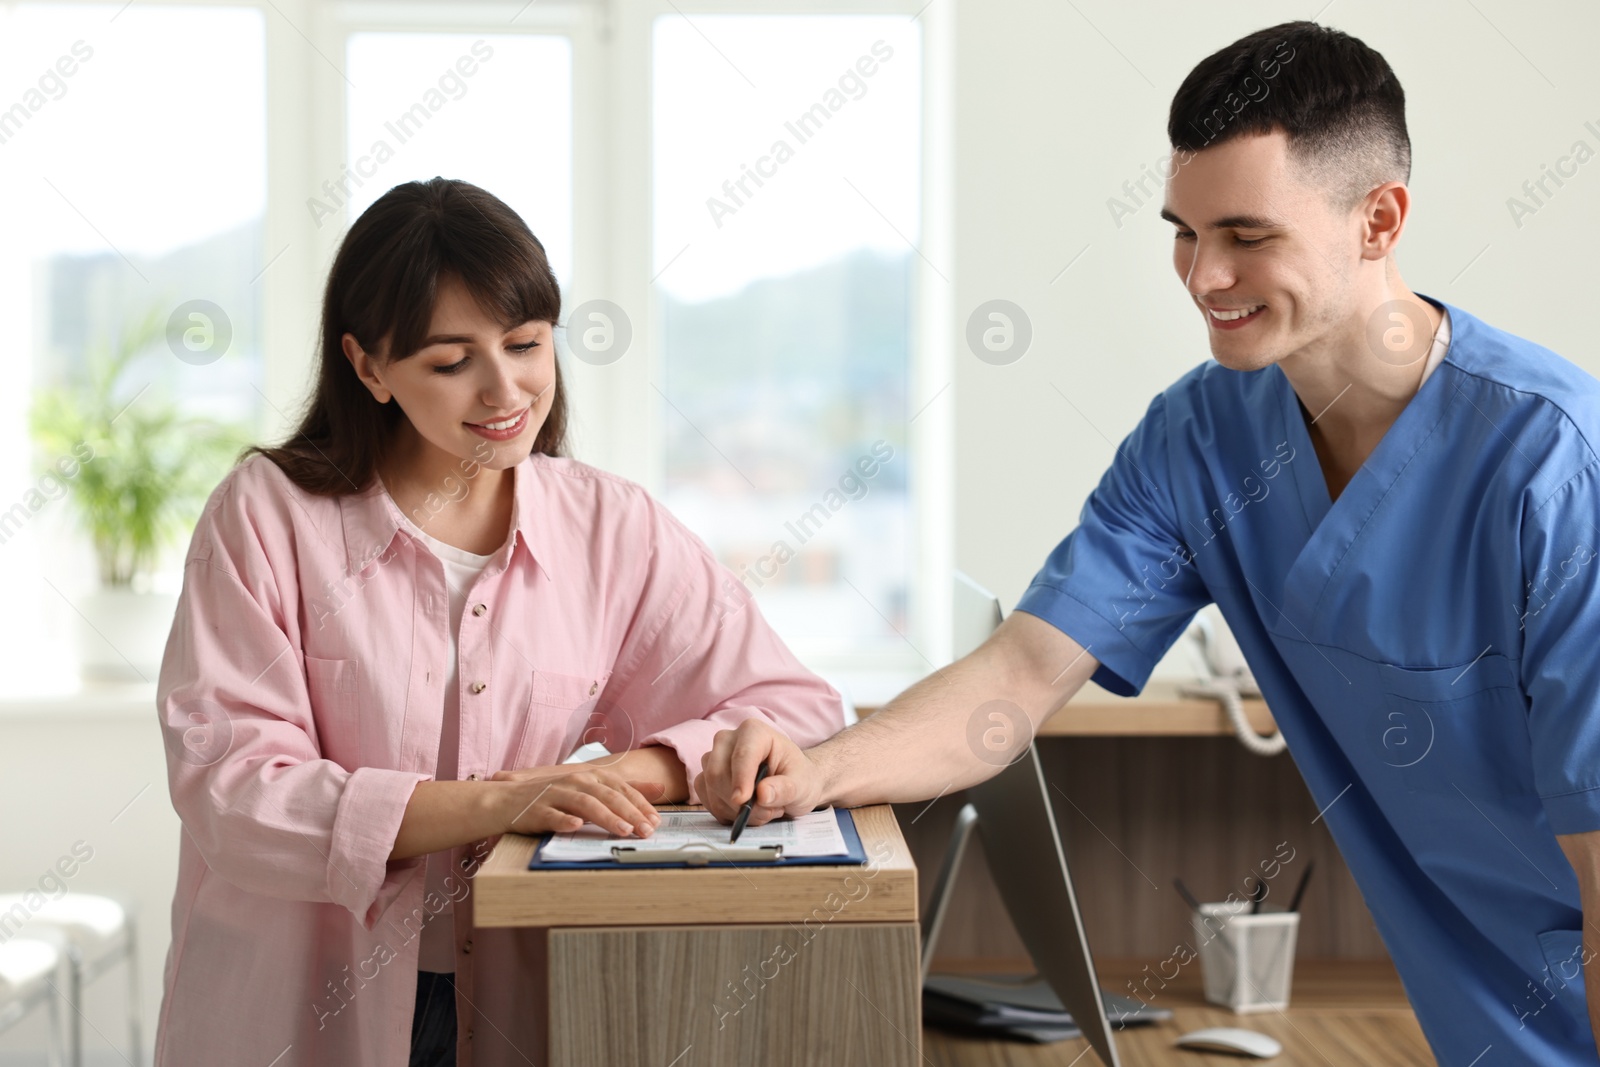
{"x": 787, "y": 965}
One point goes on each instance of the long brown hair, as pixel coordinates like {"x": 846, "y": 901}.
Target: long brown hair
{"x": 382, "y": 287}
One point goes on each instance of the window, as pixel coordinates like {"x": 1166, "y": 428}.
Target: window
{"x": 786, "y": 203}
{"x": 494, "y": 110}
{"x": 132, "y": 147}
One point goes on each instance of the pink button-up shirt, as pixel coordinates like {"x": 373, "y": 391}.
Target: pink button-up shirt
{"x": 301, "y": 696}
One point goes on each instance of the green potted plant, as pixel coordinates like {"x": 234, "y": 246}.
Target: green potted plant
{"x": 145, "y": 470}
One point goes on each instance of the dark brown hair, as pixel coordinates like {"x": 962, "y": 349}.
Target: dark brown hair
{"x": 382, "y": 289}
{"x": 1337, "y": 101}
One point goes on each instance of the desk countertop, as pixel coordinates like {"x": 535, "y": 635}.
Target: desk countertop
{"x": 506, "y": 893}
{"x": 1341, "y": 1012}
{"x": 1156, "y": 712}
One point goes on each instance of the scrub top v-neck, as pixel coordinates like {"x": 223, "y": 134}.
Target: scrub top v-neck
{"x": 1314, "y": 495}
{"x": 1426, "y": 642}
{"x": 1332, "y": 525}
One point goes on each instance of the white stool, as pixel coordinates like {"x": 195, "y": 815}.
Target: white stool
{"x": 26, "y": 964}
{"x": 98, "y": 932}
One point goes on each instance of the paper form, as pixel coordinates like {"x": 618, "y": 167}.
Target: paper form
{"x": 813, "y": 834}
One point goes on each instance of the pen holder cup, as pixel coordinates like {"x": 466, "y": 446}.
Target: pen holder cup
{"x": 1246, "y": 961}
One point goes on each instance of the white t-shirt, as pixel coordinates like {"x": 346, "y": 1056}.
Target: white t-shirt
{"x": 1441, "y": 341}
{"x": 437, "y": 951}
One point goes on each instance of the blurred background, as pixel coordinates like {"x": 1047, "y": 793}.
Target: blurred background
{"x": 782, "y": 230}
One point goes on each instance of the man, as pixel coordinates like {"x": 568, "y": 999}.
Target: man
{"x": 1416, "y": 595}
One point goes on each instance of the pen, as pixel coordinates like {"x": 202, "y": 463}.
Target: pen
{"x": 1257, "y": 896}
{"x": 1300, "y": 890}
{"x": 1183, "y": 891}
{"x": 744, "y": 812}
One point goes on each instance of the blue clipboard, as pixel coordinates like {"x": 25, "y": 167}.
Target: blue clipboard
{"x": 855, "y": 855}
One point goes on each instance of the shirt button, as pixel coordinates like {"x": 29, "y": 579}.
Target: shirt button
{"x": 593, "y": 686}
{"x": 479, "y": 609}
{"x": 478, "y": 687}
{"x": 472, "y": 777}
{"x": 469, "y": 1033}
{"x": 466, "y": 946}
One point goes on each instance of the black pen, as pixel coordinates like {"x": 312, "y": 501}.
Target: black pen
{"x": 1183, "y": 891}
{"x": 1257, "y": 895}
{"x": 1300, "y": 890}
{"x": 744, "y": 812}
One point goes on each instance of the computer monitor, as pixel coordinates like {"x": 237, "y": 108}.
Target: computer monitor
{"x": 1012, "y": 811}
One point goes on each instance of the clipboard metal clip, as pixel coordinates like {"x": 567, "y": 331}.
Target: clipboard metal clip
{"x": 697, "y": 854}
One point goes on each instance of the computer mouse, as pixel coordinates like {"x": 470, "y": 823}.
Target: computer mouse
{"x": 1231, "y": 1039}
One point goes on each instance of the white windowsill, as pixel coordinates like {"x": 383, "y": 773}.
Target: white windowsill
{"x": 92, "y": 699}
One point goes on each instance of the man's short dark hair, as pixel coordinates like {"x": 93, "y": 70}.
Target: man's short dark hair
{"x": 1337, "y": 101}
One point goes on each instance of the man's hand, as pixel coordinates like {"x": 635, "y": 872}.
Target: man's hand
{"x": 793, "y": 786}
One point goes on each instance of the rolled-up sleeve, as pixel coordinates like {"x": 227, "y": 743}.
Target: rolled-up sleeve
{"x": 698, "y": 657}
{"x": 262, "y": 806}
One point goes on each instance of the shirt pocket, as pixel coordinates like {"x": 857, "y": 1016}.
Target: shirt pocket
{"x": 1456, "y": 731}
{"x": 335, "y": 689}
{"x": 566, "y": 712}
{"x": 1562, "y": 980}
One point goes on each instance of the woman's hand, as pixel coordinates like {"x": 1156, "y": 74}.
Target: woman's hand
{"x": 562, "y": 798}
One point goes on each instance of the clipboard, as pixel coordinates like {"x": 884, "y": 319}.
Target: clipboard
{"x": 710, "y": 854}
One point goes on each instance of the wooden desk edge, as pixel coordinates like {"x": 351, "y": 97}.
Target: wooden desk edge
{"x": 1157, "y": 712}
{"x": 1320, "y": 984}
{"x": 506, "y": 893}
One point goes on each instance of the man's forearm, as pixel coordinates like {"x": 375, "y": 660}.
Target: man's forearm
{"x": 960, "y": 725}
{"x": 909, "y": 750}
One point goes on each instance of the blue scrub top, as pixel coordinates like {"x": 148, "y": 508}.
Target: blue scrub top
{"x": 1429, "y": 644}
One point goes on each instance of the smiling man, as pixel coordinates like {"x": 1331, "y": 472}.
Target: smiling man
{"x": 1418, "y": 600}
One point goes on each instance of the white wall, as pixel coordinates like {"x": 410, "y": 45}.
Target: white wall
{"x": 97, "y": 774}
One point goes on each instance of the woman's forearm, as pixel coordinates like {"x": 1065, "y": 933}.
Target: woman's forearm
{"x": 441, "y": 815}
{"x": 652, "y": 763}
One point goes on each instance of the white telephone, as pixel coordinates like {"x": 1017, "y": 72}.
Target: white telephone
{"x": 1229, "y": 679}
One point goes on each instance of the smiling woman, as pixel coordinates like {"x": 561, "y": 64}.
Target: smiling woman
{"x": 338, "y": 824}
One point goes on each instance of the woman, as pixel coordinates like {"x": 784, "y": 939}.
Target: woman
{"x": 393, "y": 629}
